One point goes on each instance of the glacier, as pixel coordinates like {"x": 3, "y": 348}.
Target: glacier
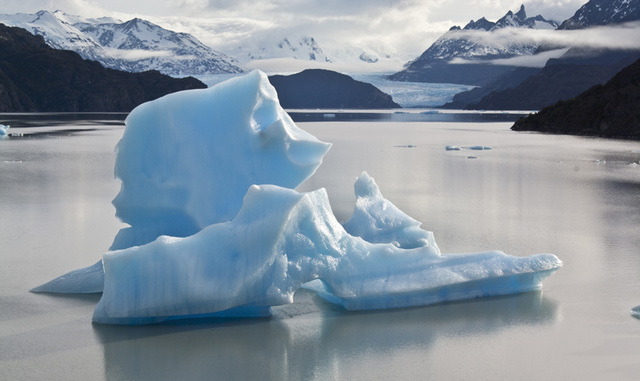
{"x": 217, "y": 228}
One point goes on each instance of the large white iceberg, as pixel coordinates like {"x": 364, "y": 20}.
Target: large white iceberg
{"x": 187, "y": 159}
{"x": 218, "y": 230}
{"x": 282, "y": 239}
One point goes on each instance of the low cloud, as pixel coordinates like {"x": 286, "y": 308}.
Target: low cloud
{"x": 621, "y": 36}
{"x": 535, "y": 60}
{"x": 136, "y": 55}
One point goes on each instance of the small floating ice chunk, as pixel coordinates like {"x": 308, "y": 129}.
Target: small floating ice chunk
{"x": 453, "y": 148}
{"x": 4, "y": 130}
{"x": 480, "y": 148}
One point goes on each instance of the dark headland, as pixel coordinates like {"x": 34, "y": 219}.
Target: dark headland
{"x": 610, "y": 110}
{"x": 317, "y": 88}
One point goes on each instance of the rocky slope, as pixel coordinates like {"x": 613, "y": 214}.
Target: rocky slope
{"x": 603, "y": 12}
{"x": 558, "y": 80}
{"x": 37, "y": 78}
{"x": 565, "y": 77}
{"x": 610, "y": 110}
{"x": 135, "y": 45}
{"x": 463, "y": 55}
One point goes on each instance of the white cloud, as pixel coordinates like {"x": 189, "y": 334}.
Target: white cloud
{"x": 407, "y": 27}
{"x": 135, "y": 55}
{"x": 536, "y": 60}
{"x": 621, "y": 36}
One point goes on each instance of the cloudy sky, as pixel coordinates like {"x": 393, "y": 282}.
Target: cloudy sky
{"x": 407, "y": 27}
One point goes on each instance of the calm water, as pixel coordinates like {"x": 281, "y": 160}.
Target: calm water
{"x": 578, "y": 198}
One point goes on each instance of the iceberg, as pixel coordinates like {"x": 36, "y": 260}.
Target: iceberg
{"x": 281, "y": 240}
{"x": 186, "y": 160}
{"x": 217, "y": 228}
{"x": 4, "y": 131}
{"x": 635, "y": 311}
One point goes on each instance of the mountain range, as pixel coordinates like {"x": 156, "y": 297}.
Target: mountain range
{"x": 465, "y": 55}
{"x": 134, "y": 46}
{"x": 576, "y": 70}
{"x": 37, "y": 78}
{"x": 483, "y": 53}
{"x": 139, "y": 45}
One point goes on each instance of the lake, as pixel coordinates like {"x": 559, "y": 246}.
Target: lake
{"x": 576, "y": 197}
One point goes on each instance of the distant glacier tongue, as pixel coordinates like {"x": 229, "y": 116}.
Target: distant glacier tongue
{"x": 217, "y": 229}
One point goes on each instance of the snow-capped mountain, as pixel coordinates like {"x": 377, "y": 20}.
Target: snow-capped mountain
{"x": 307, "y": 48}
{"x": 463, "y": 55}
{"x": 603, "y": 12}
{"x": 299, "y": 48}
{"x": 136, "y": 45}
{"x": 473, "y": 42}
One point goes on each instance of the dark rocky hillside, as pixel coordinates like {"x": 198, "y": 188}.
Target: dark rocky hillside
{"x": 560, "y": 79}
{"x": 316, "y": 88}
{"x": 504, "y": 82}
{"x": 37, "y": 78}
{"x": 610, "y": 110}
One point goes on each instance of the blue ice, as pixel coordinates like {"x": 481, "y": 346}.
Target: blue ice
{"x": 217, "y": 229}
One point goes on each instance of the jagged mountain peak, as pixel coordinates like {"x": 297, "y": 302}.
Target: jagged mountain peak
{"x": 603, "y": 12}
{"x": 480, "y": 24}
{"x": 474, "y": 45}
{"x": 513, "y": 20}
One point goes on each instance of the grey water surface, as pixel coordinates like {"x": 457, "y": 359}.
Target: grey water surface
{"x": 576, "y": 197}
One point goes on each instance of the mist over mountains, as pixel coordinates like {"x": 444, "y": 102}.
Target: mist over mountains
{"x": 586, "y": 50}
{"x": 136, "y": 45}
{"x": 517, "y": 61}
